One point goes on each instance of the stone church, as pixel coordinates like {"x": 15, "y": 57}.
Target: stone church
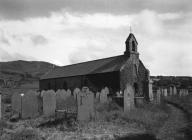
{"x": 114, "y": 72}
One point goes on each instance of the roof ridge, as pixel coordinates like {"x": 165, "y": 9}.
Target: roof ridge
{"x": 103, "y": 65}
{"x": 88, "y": 61}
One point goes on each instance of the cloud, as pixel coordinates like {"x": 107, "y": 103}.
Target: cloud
{"x": 66, "y": 37}
{"x": 3, "y": 38}
{"x": 38, "y": 40}
{"x": 21, "y": 9}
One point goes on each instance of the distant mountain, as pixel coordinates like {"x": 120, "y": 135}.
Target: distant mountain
{"x": 22, "y": 73}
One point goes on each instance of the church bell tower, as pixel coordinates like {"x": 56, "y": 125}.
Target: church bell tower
{"x": 131, "y": 45}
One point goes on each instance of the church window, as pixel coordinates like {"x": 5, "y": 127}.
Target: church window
{"x": 133, "y": 46}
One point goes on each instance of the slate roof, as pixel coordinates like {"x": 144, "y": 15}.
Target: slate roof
{"x": 91, "y": 67}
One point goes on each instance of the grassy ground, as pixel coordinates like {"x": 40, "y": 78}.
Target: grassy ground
{"x": 161, "y": 120}
{"x": 185, "y": 105}
{"x": 109, "y": 121}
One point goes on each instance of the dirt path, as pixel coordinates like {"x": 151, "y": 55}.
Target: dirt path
{"x": 174, "y": 126}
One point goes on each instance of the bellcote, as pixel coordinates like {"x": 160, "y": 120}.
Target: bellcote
{"x": 131, "y": 45}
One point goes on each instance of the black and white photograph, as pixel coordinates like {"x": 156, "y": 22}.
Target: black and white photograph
{"x": 95, "y": 70}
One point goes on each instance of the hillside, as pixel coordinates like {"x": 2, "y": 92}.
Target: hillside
{"x": 181, "y": 82}
{"x": 22, "y": 74}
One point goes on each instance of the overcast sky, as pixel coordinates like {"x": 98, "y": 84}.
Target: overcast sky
{"x": 70, "y": 31}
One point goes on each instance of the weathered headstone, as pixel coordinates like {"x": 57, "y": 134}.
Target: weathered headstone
{"x": 128, "y": 98}
{"x": 68, "y": 92}
{"x": 180, "y": 92}
{"x": 162, "y": 91}
{"x": 165, "y": 92}
{"x": 16, "y": 103}
{"x": 75, "y": 93}
{"x": 83, "y": 110}
{"x": 150, "y": 90}
{"x": 85, "y": 105}
{"x": 187, "y": 92}
{"x": 174, "y": 90}
{"x": 103, "y": 95}
{"x": 30, "y": 104}
{"x": 158, "y": 96}
{"x": 42, "y": 93}
{"x": 60, "y": 99}
{"x": 170, "y": 91}
{"x": 106, "y": 90}
{"x": 98, "y": 96}
{"x": 49, "y": 103}
{"x": 90, "y": 104}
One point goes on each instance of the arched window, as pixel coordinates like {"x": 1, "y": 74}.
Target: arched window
{"x": 136, "y": 89}
{"x": 133, "y": 46}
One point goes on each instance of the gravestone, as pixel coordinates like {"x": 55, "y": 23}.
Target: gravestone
{"x": 181, "y": 92}
{"x": 103, "y": 95}
{"x": 75, "y": 93}
{"x": 106, "y": 90}
{"x": 83, "y": 110}
{"x": 128, "y": 98}
{"x": 42, "y": 93}
{"x": 158, "y": 96}
{"x": 68, "y": 92}
{"x": 174, "y": 90}
{"x": 49, "y": 103}
{"x": 30, "y": 104}
{"x": 98, "y": 96}
{"x": 16, "y": 103}
{"x": 60, "y": 99}
{"x": 170, "y": 91}
{"x": 90, "y": 104}
{"x": 165, "y": 92}
{"x": 187, "y": 92}
{"x": 85, "y": 102}
{"x": 150, "y": 90}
